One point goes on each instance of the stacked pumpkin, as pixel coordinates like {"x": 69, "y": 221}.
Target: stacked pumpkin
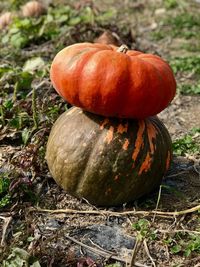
{"x": 111, "y": 148}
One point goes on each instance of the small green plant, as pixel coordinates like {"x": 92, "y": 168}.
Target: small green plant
{"x": 185, "y": 145}
{"x": 24, "y": 32}
{"x": 184, "y": 20}
{"x": 192, "y": 245}
{"x": 184, "y": 25}
{"x": 170, "y": 4}
{"x": 189, "y": 89}
{"x": 158, "y": 35}
{"x": 5, "y": 200}
{"x": 4, "y": 188}
{"x": 184, "y": 244}
{"x": 186, "y": 64}
{"x": 13, "y": 112}
{"x": 16, "y": 77}
{"x": 20, "y": 257}
{"x": 4, "y": 184}
{"x": 191, "y": 47}
{"x": 144, "y": 230}
{"x": 16, "y": 4}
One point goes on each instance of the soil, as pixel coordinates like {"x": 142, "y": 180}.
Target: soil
{"x": 182, "y": 115}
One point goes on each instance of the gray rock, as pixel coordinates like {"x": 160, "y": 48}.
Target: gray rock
{"x": 111, "y": 239}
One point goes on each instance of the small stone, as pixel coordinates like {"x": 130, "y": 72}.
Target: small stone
{"x": 153, "y": 26}
{"x": 159, "y": 11}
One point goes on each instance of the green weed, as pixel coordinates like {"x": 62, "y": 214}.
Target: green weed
{"x": 184, "y": 25}
{"x": 16, "y": 4}
{"x": 191, "y": 46}
{"x": 184, "y": 244}
{"x": 20, "y": 257}
{"x": 4, "y": 183}
{"x": 189, "y": 89}
{"x": 158, "y": 35}
{"x": 183, "y": 20}
{"x": 185, "y": 145}
{"x": 5, "y": 197}
{"x": 170, "y": 4}
{"x": 144, "y": 230}
{"x": 24, "y": 32}
{"x": 186, "y": 64}
{"x": 5, "y": 200}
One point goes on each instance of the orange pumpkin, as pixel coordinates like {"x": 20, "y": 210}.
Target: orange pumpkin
{"x": 112, "y": 81}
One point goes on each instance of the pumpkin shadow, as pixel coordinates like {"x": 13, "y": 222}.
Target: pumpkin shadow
{"x": 180, "y": 188}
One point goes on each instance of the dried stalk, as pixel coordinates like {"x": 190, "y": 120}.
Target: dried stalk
{"x": 7, "y": 221}
{"x": 113, "y": 213}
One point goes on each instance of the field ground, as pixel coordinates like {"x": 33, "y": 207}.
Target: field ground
{"x": 40, "y": 225}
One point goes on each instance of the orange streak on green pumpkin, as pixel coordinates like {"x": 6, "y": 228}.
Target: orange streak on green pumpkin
{"x": 109, "y": 135}
{"x": 139, "y": 143}
{"x": 122, "y": 128}
{"x": 126, "y": 144}
{"x": 151, "y": 132}
{"x": 106, "y": 121}
{"x": 146, "y": 164}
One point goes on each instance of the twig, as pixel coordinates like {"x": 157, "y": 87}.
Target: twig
{"x": 16, "y": 88}
{"x": 103, "y": 253}
{"x": 97, "y": 246}
{"x": 148, "y": 253}
{"x": 179, "y": 231}
{"x": 196, "y": 170}
{"x": 7, "y": 221}
{"x": 157, "y": 203}
{"x": 176, "y": 174}
{"x": 92, "y": 206}
{"x": 134, "y": 252}
{"x": 167, "y": 251}
{"x": 113, "y": 213}
{"x": 35, "y": 119}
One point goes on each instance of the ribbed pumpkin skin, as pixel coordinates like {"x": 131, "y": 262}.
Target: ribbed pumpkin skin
{"x": 103, "y": 81}
{"x": 107, "y": 161}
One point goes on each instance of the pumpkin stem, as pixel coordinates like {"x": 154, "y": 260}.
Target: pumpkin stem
{"x": 123, "y": 49}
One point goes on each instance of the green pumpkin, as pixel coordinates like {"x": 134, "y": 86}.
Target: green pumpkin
{"x": 107, "y": 161}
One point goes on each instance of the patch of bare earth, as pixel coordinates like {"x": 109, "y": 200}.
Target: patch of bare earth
{"x": 182, "y": 115}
